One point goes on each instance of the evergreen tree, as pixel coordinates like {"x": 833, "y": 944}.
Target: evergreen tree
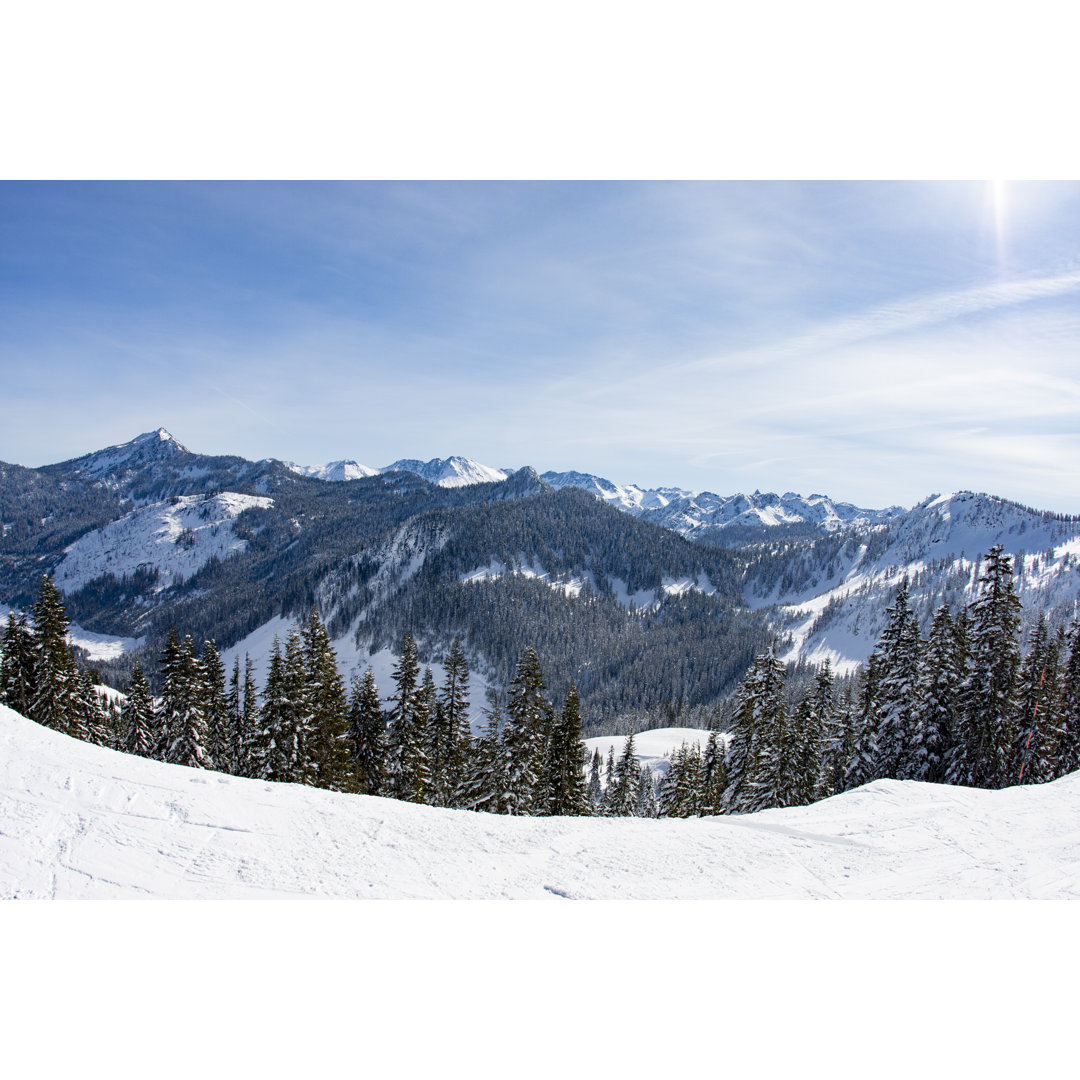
{"x": 367, "y": 736}
{"x": 450, "y": 731}
{"x": 1068, "y": 751}
{"x": 567, "y": 795}
{"x": 594, "y": 790}
{"x": 758, "y": 733}
{"x": 329, "y": 749}
{"x": 138, "y": 716}
{"x": 988, "y": 731}
{"x": 898, "y": 672}
{"x": 713, "y": 776}
{"x": 525, "y": 737}
{"x": 485, "y": 778}
{"x": 1038, "y": 723}
{"x": 215, "y": 704}
{"x": 646, "y": 805}
{"x": 302, "y": 764}
{"x": 250, "y": 748}
{"x": 90, "y": 722}
{"x": 622, "y": 801}
{"x": 941, "y": 680}
{"x": 829, "y": 719}
{"x": 681, "y": 787}
{"x": 183, "y": 706}
{"x": 409, "y": 770}
{"x": 609, "y": 782}
{"x": 801, "y": 779}
{"x": 17, "y": 686}
{"x": 862, "y": 763}
{"x": 275, "y": 750}
{"x": 55, "y": 701}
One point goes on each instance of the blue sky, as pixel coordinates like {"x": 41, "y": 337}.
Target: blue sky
{"x": 877, "y": 342}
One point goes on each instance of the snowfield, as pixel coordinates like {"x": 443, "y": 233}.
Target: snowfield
{"x": 175, "y": 537}
{"x": 80, "y": 821}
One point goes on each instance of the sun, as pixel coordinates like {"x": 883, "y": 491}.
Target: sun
{"x": 997, "y": 196}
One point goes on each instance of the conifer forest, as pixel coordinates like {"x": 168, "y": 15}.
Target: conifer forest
{"x": 966, "y": 705}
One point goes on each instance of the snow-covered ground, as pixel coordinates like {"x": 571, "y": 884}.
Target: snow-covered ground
{"x": 96, "y": 646}
{"x": 81, "y": 821}
{"x": 653, "y": 748}
{"x": 175, "y": 537}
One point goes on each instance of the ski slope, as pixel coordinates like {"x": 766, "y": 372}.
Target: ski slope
{"x": 80, "y": 821}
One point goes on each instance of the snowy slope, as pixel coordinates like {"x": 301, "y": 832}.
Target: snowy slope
{"x": 694, "y": 513}
{"x": 143, "y": 450}
{"x": 653, "y": 748}
{"x": 175, "y": 537}
{"x": 837, "y": 611}
{"x": 335, "y": 471}
{"x": 449, "y": 472}
{"x": 81, "y": 821}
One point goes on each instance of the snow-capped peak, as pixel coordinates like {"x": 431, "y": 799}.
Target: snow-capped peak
{"x": 449, "y": 472}
{"x": 158, "y": 445}
{"x": 335, "y": 471}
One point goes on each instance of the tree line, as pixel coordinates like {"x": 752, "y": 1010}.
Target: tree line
{"x": 963, "y": 706}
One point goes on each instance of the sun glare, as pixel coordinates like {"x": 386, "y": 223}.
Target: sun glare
{"x": 998, "y": 198}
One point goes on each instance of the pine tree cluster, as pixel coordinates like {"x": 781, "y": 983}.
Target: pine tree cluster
{"x": 963, "y": 706}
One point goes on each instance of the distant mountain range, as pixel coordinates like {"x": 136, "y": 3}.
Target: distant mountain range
{"x": 645, "y": 597}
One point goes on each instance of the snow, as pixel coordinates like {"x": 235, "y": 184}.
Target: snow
{"x": 449, "y": 472}
{"x": 81, "y": 821}
{"x": 335, "y": 471}
{"x": 175, "y": 537}
{"x": 96, "y": 646}
{"x": 102, "y": 646}
{"x": 653, "y": 748}
{"x": 528, "y": 568}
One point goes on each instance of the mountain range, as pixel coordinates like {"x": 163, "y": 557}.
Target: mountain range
{"x": 647, "y": 598}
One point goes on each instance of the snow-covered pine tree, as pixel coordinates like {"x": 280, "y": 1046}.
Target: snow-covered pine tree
{"x": 594, "y": 790}
{"x": 622, "y": 800}
{"x": 845, "y": 736}
{"x": 137, "y": 717}
{"x": 567, "y": 795}
{"x": 609, "y": 782}
{"x": 862, "y": 764}
{"x": 328, "y": 706}
{"x": 941, "y": 679}
{"x": 304, "y": 766}
{"x": 681, "y": 787}
{"x": 757, "y": 745}
{"x": 485, "y": 780}
{"x": 646, "y": 805}
{"x": 829, "y": 719}
{"x": 802, "y": 779}
{"x": 450, "y": 734}
{"x": 215, "y": 703}
{"x": 1038, "y": 698}
{"x": 250, "y": 748}
{"x": 183, "y": 705}
{"x": 17, "y": 664}
{"x": 525, "y": 737}
{"x": 55, "y": 701}
{"x": 232, "y": 705}
{"x": 409, "y": 776}
{"x": 275, "y": 751}
{"x": 713, "y": 775}
{"x": 1068, "y": 754}
{"x": 898, "y": 651}
{"x": 90, "y": 719}
{"x": 987, "y": 727}
{"x": 367, "y": 736}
